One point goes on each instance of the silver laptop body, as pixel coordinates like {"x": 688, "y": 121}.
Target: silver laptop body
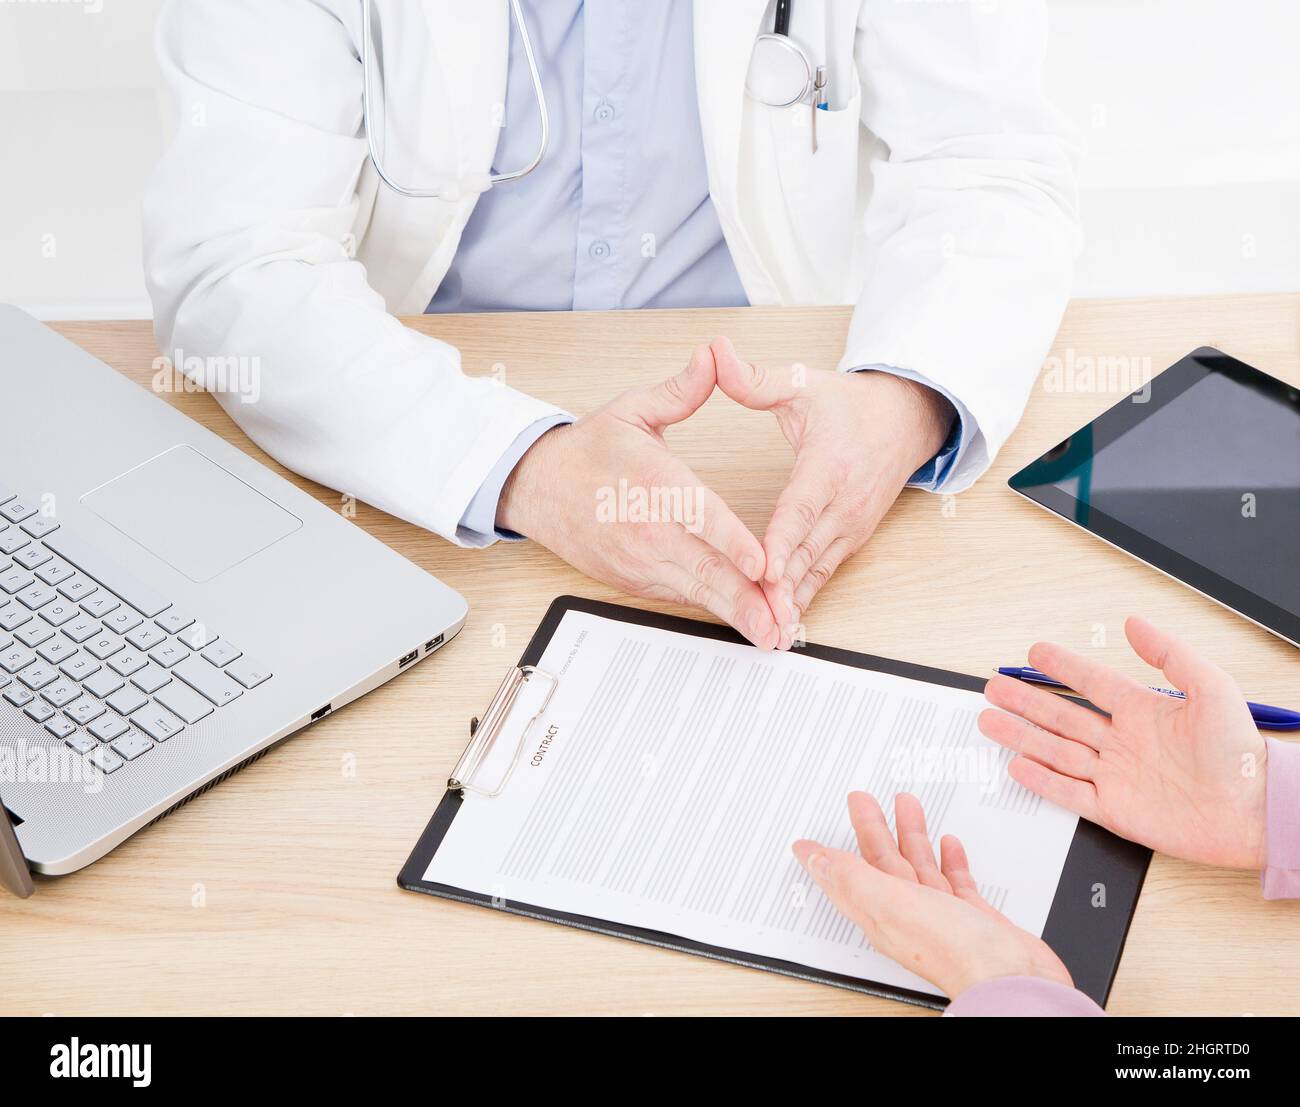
{"x": 170, "y": 607}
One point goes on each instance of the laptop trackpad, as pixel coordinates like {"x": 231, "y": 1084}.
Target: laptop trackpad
{"x": 198, "y": 517}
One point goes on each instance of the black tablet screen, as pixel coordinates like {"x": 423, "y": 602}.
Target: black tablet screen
{"x": 1208, "y": 469}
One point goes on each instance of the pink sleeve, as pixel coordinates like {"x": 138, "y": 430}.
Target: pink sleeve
{"x": 1281, "y": 876}
{"x": 1022, "y": 995}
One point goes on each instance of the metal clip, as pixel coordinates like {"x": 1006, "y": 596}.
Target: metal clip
{"x": 484, "y": 733}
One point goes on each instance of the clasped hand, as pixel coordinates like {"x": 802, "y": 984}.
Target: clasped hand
{"x": 608, "y": 496}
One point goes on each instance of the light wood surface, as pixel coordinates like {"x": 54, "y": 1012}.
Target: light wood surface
{"x": 275, "y": 892}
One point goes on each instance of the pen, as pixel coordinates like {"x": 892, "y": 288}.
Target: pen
{"x": 818, "y": 101}
{"x": 1266, "y": 717}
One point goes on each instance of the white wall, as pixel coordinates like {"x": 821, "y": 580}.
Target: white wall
{"x": 1190, "y": 115}
{"x": 80, "y": 127}
{"x": 1187, "y": 108}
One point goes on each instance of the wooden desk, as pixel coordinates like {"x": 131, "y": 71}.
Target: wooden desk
{"x": 275, "y": 893}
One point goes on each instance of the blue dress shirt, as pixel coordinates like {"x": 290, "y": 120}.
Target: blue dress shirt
{"x": 618, "y": 214}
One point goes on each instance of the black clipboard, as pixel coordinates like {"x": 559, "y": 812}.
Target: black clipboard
{"x": 1086, "y": 926}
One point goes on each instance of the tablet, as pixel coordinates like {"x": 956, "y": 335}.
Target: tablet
{"x": 1198, "y": 475}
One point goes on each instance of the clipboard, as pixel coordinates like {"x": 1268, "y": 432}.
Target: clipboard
{"x": 1086, "y": 934}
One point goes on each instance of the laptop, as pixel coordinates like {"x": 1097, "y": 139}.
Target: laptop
{"x": 169, "y": 608}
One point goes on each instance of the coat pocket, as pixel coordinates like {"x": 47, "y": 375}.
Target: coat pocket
{"x": 802, "y": 206}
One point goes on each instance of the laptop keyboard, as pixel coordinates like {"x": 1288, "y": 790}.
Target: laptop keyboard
{"x": 102, "y": 660}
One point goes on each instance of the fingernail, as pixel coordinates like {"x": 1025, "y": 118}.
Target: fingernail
{"x": 749, "y": 566}
{"x": 775, "y": 569}
{"x": 752, "y": 627}
{"x": 817, "y": 864}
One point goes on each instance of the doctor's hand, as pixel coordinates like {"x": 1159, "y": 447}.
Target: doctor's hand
{"x": 857, "y": 438}
{"x": 1186, "y": 777}
{"x": 608, "y": 496}
{"x": 927, "y": 915}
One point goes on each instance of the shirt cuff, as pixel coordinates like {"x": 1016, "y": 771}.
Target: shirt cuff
{"x": 1281, "y": 876}
{"x": 478, "y": 525}
{"x": 1009, "y": 996}
{"x": 932, "y": 475}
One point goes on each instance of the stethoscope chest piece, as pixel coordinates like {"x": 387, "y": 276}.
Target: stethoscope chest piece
{"x": 779, "y": 72}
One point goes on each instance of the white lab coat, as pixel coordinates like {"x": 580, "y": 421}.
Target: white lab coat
{"x": 941, "y": 202}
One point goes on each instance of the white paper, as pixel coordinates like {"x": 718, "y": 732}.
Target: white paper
{"x": 669, "y": 775}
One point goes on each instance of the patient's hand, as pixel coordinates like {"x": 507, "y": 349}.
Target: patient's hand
{"x": 857, "y": 438}
{"x": 1185, "y": 777}
{"x": 926, "y": 914}
{"x": 608, "y": 496}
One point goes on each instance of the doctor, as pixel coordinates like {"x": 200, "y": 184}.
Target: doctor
{"x": 644, "y": 155}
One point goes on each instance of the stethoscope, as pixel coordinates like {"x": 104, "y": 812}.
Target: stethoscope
{"x": 442, "y": 191}
{"x": 780, "y": 74}
{"x": 780, "y": 71}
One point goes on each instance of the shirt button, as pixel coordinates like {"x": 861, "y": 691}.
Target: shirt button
{"x": 604, "y": 112}
{"x": 599, "y": 249}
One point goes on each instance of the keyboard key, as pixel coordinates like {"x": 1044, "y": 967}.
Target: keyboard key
{"x": 100, "y": 604}
{"x": 11, "y": 616}
{"x": 15, "y": 580}
{"x": 132, "y": 746}
{"x": 105, "y": 645}
{"x": 57, "y": 651}
{"x": 145, "y": 637}
{"x": 14, "y": 540}
{"x": 122, "y": 620}
{"x": 17, "y": 510}
{"x": 127, "y": 662}
{"x": 18, "y": 695}
{"x": 108, "y": 727}
{"x": 32, "y": 556}
{"x": 169, "y": 653}
{"x": 178, "y": 699}
{"x": 81, "y": 628}
{"x": 37, "y": 595}
{"x": 102, "y": 683}
{"x": 40, "y": 526}
{"x": 173, "y": 620}
{"x": 78, "y": 667}
{"x": 78, "y": 741}
{"x": 84, "y": 710}
{"x": 38, "y": 676}
{"x": 5, "y": 497}
{"x": 157, "y": 722}
{"x": 38, "y": 711}
{"x": 59, "y": 612}
{"x": 105, "y": 760}
{"x": 34, "y": 633}
{"x": 222, "y": 653}
{"x": 248, "y": 671}
{"x": 54, "y": 572}
{"x": 203, "y": 678}
{"x": 78, "y": 588}
{"x": 14, "y": 658}
{"x": 62, "y": 692}
{"x": 61, "y": 727}
{"x": 196, "y": 636}
{"x": 127, "y": 701}
{"x": 112, "y": 576}
{"x": 150, "y": 679}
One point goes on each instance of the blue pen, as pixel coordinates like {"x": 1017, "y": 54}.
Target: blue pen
{"x": 1266, "y": 717}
